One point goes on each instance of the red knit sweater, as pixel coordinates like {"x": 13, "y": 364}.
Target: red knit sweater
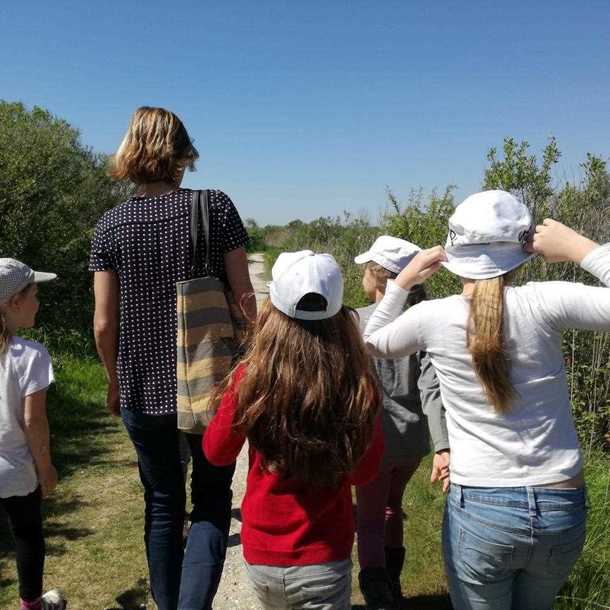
{"x": 285, "y": 523}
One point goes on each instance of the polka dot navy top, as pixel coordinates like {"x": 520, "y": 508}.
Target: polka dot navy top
{"x": 145, "y": 240}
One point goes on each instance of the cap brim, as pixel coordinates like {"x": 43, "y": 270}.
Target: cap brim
{"x": 42, "y": 276}
{"x": 363, "y": 258}
{"x": 485, "y": 261}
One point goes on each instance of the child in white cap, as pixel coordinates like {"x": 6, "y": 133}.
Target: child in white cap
{"x": 307, "y": 402}
{"x": 515, "y": 517}
{"x": 26, "y": 471}
{"x": 406, "y": 383}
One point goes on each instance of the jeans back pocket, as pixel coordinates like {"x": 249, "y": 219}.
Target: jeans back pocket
{"x": 481, "y": 561}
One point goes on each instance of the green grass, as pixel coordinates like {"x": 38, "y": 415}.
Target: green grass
{"x": 589, "y": 584}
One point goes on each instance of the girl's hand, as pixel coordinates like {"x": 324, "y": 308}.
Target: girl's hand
{"x": 558, "y": 243}
{"x": 440, "y": 468}
{"x": 423, "y": 265}
{"x": 47, "y": 477}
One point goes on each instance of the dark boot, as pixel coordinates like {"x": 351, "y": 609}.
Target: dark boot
{"x": 394, "y": 560}
{"x": 375, "y": 588}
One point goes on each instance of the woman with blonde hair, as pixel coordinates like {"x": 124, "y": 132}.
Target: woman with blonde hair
{"x": 140, "y": 250}
{"x": 515, "y": 517}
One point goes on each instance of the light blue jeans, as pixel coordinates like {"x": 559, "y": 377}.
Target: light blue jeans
{"x": 511, "y": 548}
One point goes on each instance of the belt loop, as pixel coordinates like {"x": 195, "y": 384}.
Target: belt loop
{"x": 531, "y": 502}
{"x": 461, "y": 496}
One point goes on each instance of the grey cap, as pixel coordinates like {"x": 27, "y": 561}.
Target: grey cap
{"x": 15, "y": 276}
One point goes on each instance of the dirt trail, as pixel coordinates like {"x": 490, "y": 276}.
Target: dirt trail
{"x": 235, "y": 592}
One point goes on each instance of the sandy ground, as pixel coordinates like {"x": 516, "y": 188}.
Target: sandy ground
{"x": 235, "y": 592}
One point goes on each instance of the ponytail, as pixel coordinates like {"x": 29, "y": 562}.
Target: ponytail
{"x": 5, "y": 334}
{"x": 486, "y": 342}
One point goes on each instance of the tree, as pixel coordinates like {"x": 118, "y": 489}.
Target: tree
{"x": 52, "y": 192}
{"x": 521, "y": 174}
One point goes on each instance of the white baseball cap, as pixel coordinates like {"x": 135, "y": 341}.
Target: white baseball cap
{"x": 296, "y": 274}
{"x": 390, "y": 252}
{"x": 487, "y": 235}
{"x": 15, "y": 276}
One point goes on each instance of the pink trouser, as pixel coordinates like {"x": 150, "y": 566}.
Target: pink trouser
{"x": 379, "y": 514}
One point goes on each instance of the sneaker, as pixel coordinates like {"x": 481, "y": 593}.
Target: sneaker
{"x": 54, "y": 600}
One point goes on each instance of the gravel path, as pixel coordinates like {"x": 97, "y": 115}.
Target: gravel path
{"x": 235, "y": 592}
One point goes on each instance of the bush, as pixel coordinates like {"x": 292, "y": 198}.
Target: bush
{"x": 52, "y": 192}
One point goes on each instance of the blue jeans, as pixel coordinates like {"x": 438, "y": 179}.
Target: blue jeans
{"x": 180, "y": 579}
{"x": 511, "y": 548}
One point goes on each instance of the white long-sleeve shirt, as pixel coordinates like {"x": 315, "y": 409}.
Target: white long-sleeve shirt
{"x": 535, "y": 442}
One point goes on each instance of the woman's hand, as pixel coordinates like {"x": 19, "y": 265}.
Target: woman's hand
{"x": 440, "y": 468}
{"x": 558, "y": 243}
{"x": 423, "y": 265}
{"x": 113, "y": 403}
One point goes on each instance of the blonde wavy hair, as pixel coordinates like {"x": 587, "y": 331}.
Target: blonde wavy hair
{"x": 155, "y": 148}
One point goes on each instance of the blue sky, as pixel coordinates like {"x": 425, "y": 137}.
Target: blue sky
{"x": 303, "y": 109}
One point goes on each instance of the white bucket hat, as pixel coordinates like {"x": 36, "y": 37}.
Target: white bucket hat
{"x": 15, "y": 276}
{"x": 296, "y": 274}
{"x": 390, "y": 252}
{"x": 487, "y": 235}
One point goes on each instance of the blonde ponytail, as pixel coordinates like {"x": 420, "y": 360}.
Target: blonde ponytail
{"x": 486, "y": 342}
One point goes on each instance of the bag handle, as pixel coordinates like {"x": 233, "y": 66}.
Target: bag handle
{"x": 200, "y": 209}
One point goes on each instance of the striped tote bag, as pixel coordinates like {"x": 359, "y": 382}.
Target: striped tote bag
{"x": 207, "y": 340}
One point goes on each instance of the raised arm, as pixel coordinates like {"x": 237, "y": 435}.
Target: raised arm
{"x": 391, "y": 333}
{"x": 570, "y": 305}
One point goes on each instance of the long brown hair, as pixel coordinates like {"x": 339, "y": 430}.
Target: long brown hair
{"x": 308, "y": 398}
{"x": 486, "y": 342}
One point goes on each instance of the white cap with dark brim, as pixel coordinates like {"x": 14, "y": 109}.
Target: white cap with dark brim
{"x": 296, "y": 274}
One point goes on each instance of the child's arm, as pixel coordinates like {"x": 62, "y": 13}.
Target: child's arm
{"x": 221, "y": 442}
{"x": 37, "y": 434}
{"x": 432, "y": 405}
{"x": 368, "y": 467}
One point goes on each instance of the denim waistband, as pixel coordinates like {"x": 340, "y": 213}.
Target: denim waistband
{"x": 526, "y": 498}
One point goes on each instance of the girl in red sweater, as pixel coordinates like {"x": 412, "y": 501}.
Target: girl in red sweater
{"x": 306, "y": 400}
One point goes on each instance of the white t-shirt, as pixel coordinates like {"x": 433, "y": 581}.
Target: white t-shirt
{"x": 535, "y": 442}
{"x": 25, "y": 368}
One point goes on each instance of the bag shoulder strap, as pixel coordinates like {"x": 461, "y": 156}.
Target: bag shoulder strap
{"x": 200, "y": 211}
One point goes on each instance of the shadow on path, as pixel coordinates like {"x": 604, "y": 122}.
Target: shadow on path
{"x": 134, "y": 598}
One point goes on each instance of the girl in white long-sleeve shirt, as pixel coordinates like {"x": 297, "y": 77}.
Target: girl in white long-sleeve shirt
{"x": 514, "y": 520}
